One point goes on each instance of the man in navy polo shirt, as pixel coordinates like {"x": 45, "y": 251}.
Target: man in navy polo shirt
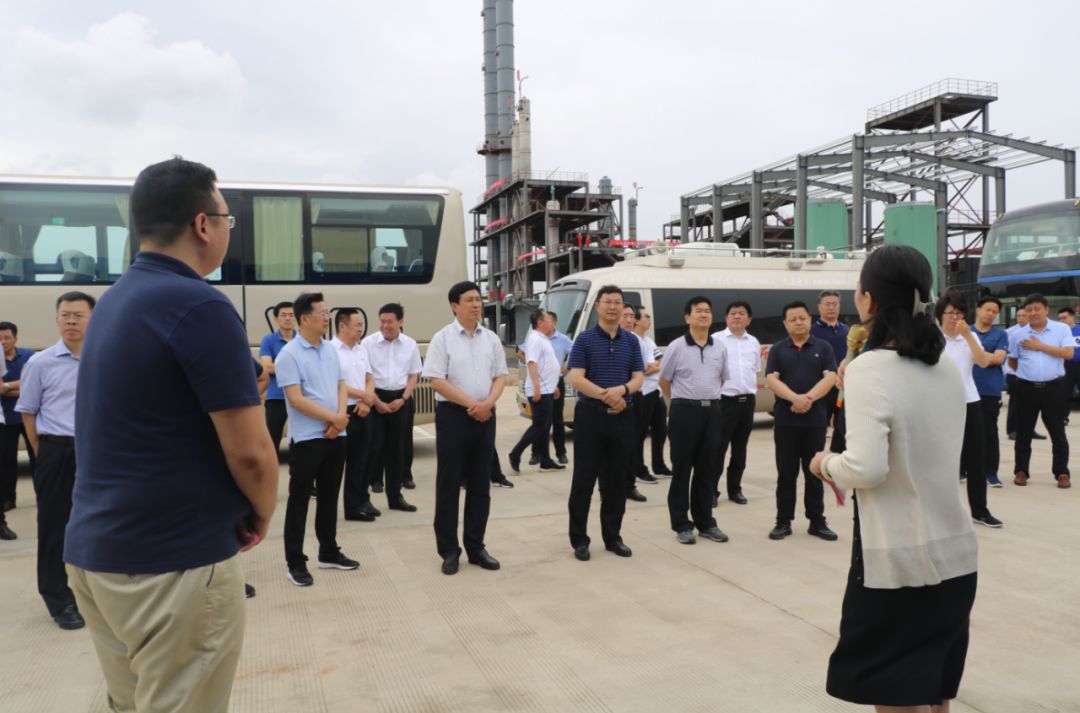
{"x": 176, "y": 472}
{"x": 15, "y": 358}
{"x": 1067, "y": 316}
{"x": 990, "y": 381}
{"x": 606, "y": 368}
{"x": 269, "y": 348}
{"x": 309, "y": 371}
{"x": 801, "y": 372}
{"x": 829, "y": 328}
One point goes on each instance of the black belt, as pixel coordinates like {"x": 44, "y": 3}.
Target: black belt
{"x": 392, "y": 395}
{"x": 1041, "y": 384}
{"x": 56, "y": 439}
{"x": 601, "y": 406}
{"x": 739, "y": 398}
{"x": 703, "y": 403}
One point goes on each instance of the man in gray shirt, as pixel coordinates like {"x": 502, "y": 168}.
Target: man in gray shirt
{"x": 467, "y": 368}
{"x": 691, "y": 374}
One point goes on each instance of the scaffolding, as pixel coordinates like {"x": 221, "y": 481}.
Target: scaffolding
{"x": 934, "y": 144}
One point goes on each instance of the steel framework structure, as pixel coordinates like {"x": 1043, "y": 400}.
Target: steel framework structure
{"x": 914, "y": 148}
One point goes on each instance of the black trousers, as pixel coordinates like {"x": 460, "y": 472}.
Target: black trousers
{"x": 658, "y": 432}
{"x": 694, "y": 435}
{"x": 54, "y": 481}
{"x": 796, "y": 447}
{"x": 836, "y": 415}
{"x": 389, "y": 433}
{"x": 602, "y": 445}
{"x": 276, "y": 415}
{"x": 643, "y": 421}
{"x": 9, "y": 458}
{"x": 973, "y": 460}
{"x": 1010, "y": 412}
{"x": 634, "y": 463}
{"x": 558, "y": 422}
{"x": 357, "y": 445}
{"x": 1051, "y": 400}
{"x": 736, "y": 423}
{"x": 991, "y": 409}
{"x": 407, "y": 445}
{"x": 317, "y": 462}
{"x": 464, "y": 450}
{"x": 538, "y": 432}
{"x": 1072, "y": 382}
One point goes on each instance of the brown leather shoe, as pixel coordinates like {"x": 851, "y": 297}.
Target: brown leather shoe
{"x": 1021, "y": 478}
{"x": 1063, "y": 481}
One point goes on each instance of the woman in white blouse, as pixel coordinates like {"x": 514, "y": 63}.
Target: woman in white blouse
{"x": 904, "y": 623}
{"x": 967, "y": 352}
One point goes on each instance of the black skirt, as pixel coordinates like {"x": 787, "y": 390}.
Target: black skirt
{"x": 900, "y": 647}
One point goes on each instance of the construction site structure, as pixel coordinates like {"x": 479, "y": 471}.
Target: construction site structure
{"x": 530, "y": 227}
{"x": 933, "y": 146}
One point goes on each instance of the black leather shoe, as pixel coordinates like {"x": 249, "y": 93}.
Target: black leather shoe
{"x": 1038, "y": 436}
{"x": 359, "y": 517}
{"x": 376, "y": 487}
{"x": 551, "y": 465}
{"x": 782, "y": 530}
{"x": 822, "y": 530}
{"x": 515, "y": 463}
{"x": 249, "y": 591}
{"x": 369, "y": 509}
{"x": 636, "y": 496}
{"x": 582, "y": 553}
{"x": 534, "y": 460}
{"x": 483, "y": 559}
{"x": 6, "y": 533}
{"x": 618, "y": 548}
{"x": 69, "y": 618}
{"x": 661, "y": 470}
{"x": 563, "y": 460}
{"x": 409, "y": 484}
{"x": 403, "y": 505}
{"x": 9, "y": 505}
{"x": 716, "y": 501}
{"x": 450, "y": 563}
{"x": 738, "y": 498}
{"x": 502, "y": 482}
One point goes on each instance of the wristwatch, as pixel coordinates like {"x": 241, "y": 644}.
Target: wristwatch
{"x": 4, "y": 388}
{"x": 626, "y": 388}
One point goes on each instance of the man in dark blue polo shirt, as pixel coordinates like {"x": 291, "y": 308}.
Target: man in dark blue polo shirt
{"x": 11, "y": 430}
{"x": 990, "y": 381}
{"x": 801, "y": 372}
{"x": 176, "y": 472}
{"x": 606, "y": 368}
{"x": 269, "y": 348}
{"x": 829, "y": 328}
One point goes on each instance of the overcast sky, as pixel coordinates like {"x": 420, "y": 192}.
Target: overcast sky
{"x": 674, "y": 95}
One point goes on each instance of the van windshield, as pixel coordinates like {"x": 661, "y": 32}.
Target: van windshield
{"x": 567, "y": 305}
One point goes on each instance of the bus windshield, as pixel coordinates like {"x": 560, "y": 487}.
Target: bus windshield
{"x": 1035, "y": 238}
{"x": 566, "y": 304}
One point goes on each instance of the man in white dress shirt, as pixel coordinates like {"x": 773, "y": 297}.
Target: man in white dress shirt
{"x": 738, "y": 397}
{"x": 360, "y": 388}
{"x": 650, "y": 396}
{"x": 541, "y": 389}
{"x": 467, "y": 368}
{"x": 395, "y": 364}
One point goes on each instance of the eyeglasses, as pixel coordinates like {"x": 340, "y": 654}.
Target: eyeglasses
{"x": 609, "y": 303}
{"x": 230, "y": 219}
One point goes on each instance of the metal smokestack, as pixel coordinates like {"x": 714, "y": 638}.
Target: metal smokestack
{"x": 523, "y": 136}
{"x": 632, "y": 203}
{"x": 491, "y": 99}
{"x": 504, "y": 64}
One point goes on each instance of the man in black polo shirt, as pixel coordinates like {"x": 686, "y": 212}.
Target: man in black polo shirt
{"x": 801, "y": 372}
{"x": 176, "y": 471}
{"x": 606, "y": 368}
{"x": 829, "y": 328}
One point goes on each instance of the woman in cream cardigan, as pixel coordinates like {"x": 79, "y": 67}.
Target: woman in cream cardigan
{"x": 904, "y": 623}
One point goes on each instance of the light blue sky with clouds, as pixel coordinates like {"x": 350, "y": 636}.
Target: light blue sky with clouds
{"x": 672, "y": 95}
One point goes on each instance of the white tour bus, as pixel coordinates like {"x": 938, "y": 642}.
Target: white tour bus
{"x": 663, "y": 282}
{"x": 361, "y": 246}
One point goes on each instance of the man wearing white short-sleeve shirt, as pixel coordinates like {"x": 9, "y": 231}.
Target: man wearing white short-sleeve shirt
{"x": 540, "y": 389}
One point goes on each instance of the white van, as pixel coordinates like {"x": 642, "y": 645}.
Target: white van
{"x": 663, "y": 281}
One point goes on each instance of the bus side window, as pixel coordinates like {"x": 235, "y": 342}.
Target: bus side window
{"x": 279, "y": 238}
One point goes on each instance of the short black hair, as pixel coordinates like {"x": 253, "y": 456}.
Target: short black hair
{"x": 954, "y": 299}
{"x": 282, "y": 305}
{"x": 535, "y": 316}
{"x": 76, "y": 297}
{"x": 553, "y": 315}
{"x": 1068, "y": 310}
{"x": 1036, "y": 298}
{"x": 739, "y": 303}
{"x": 608, "y": 290}
{"x": 696, "y": 300}
{"x": 797, "y": 304}
{"x": 393, "y": 308}
{"x": 167, "y": 196}
{"x": 988, "y": 298}
{"x": 827, "y": 293}
{"x": 638, "y": 309}
{"x": 9, "y": 327}
{"x": 460, "y": 289}
{"x": 304, "y": 303}
{"x": 343, "y": 315}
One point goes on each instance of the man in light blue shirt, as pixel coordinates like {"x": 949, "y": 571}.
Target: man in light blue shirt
{"x": 561, "y": 344}
{"x": 309, "y": 372}
{"x": 1038, "y": 354}
{"x": 47, "y": 404}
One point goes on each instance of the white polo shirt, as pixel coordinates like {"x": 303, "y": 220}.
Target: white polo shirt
{"x": 538, "y": 350}
{"x": 957, "y": 348}
{"x": 392, "y": 362}
{"x": 649, "y": 354}
{"x": 354, "y": 365}
{"x": 744, "y": 362}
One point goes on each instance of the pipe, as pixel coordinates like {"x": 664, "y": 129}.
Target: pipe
{"x": 504, "y": 67}
{"x": 632, "y": 203}
{"x": 491, "y": 99}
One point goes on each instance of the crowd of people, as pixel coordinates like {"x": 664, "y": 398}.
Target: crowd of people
{"x": 175, "y": 468}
